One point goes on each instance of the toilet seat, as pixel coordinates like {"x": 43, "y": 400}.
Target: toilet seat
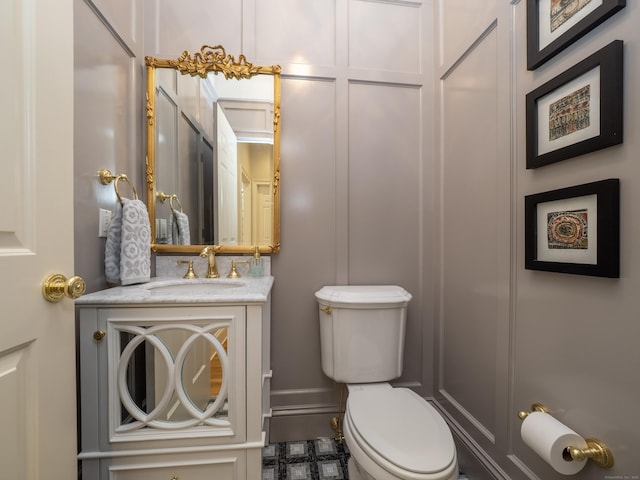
{"x": 397, "y": 433}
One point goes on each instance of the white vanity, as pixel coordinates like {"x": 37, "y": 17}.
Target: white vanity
{"x": 174, "y": 380}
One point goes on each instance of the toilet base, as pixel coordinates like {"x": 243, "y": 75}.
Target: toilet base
{"x": 354, "y": 471}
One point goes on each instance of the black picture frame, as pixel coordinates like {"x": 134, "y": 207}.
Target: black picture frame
{"x": 541, "y": 49}
{"x": 594, "y": 254}
{"x": 599, "y": 79}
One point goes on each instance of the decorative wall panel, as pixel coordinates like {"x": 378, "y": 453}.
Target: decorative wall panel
{"x": 461, "y": 24}
{"x": 123, "y": 16}
{"x": 471, "y": 195}
{"x": 384, "y": 36}
{"x": 384, "y": 168}
{"x": 309, "y": 205}
{"x": 189, "y": 24}
{"x": 290, "y": 31}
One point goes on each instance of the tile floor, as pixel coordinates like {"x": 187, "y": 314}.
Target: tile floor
{"x": 319, "y": 459}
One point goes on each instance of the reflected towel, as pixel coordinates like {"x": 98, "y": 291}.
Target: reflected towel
{"x": 180, "y": 230}
{"x": 127, "y": 251}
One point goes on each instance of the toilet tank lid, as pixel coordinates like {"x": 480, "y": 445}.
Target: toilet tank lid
{"x": 362, "y": 295}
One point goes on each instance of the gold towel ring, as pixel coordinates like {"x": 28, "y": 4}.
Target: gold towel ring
{"x": 106, "y": 177}
{"x": 171, "y": 199}
{"x": 163, "y": 197}
{"x": 126, "y": 179}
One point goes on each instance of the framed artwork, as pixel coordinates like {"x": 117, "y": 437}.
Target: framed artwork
{"x": 553, "y": 25}
{"x": 577, "y": 112}
{"x": 574, "y": 230}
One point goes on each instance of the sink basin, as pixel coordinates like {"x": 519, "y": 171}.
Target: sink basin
{"x": 194, "y": 287}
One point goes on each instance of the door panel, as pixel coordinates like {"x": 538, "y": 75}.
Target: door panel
{"x": 37, "y": 354}
{"x": 16, "y": 407}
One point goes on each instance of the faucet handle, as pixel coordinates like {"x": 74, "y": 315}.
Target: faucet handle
{"x": 190, "y": 273}
{"x": 234, "y": 271}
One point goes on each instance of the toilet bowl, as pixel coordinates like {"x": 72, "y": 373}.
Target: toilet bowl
{"x": 391, "y": 433}
{"x": 394, "y": 434}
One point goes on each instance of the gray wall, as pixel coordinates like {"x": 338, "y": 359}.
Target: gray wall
{"x": 108, "y": 119}
{"x": 508, "y": 337}
{"x": 402, "y": 162}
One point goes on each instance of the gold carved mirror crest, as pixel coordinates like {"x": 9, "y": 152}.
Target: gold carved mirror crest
{"x": 213, "y": 153}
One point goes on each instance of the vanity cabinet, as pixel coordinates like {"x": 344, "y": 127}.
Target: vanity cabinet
{"x": 171, "y": 390}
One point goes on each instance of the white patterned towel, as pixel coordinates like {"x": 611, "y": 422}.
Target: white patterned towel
{"x": 128, "y": 248}
{"x": 112, "y": 247}
{"x": 135, "y": 251}
{"x": 181, "y": 234}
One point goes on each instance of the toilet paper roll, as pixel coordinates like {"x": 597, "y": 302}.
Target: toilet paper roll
{"x": 549, "y": 438}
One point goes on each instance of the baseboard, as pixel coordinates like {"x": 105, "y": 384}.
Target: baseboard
{"x": 473, "y": 460}
{"x": 291, "y": 424}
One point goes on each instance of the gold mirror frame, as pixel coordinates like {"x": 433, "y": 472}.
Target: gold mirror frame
{"x": 210, "y": 59}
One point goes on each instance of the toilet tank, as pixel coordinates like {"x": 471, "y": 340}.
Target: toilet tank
{"x": 362, "y": 332}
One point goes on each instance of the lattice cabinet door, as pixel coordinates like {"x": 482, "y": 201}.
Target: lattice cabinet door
{"x": 164, "y": 373}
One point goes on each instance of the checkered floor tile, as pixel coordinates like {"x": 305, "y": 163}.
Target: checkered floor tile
{"x": 319, "y": 459}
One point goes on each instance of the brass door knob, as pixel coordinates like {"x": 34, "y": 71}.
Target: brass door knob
{"x": 55, "y": 287}
{"x": 98, "y": 335}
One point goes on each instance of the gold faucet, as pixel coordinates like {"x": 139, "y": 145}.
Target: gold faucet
{"x": 210, "y": 252}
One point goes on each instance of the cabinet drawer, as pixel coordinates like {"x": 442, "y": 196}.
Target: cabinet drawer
{"x": 230, "y": 467}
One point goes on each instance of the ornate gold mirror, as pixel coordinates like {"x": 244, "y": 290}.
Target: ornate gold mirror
{"x": 213, "y": 153}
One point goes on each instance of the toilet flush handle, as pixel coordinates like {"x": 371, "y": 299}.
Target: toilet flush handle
{"x": 326, "y": 310}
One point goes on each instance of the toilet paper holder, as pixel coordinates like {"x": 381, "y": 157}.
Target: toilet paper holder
{"x": 596, "y": 450}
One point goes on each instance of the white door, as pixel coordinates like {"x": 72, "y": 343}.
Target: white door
{"x": 263, "y": 212}
{"x": 227, "y": 181}
{"x": 37, "y": 359}
{"x": 245, "y": 203}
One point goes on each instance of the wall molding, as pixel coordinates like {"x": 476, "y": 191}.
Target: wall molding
{"x": 305, "y": 399}
{"x": 448, "y": 70}
{"x": 309, "y": 401}
{"x": 478, "y": 453}
{"x": 406, "y": 3}
{"x": 111, "y": 28}
{"x": 469, "y": 417}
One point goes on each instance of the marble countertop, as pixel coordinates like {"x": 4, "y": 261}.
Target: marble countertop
{"x": 173, "y": 290}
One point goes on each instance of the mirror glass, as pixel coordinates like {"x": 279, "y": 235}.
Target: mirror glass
{"x": 213, "y": 153}
{"x": 170, "y": 377}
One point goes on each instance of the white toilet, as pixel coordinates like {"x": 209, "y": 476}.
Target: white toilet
{"x": 392, "y": 433}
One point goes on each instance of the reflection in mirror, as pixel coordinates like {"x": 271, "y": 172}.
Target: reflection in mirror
{"x": 156, "y": 394}
{"x": 213, "y": 153}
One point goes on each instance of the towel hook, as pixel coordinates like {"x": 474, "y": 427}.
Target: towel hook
{"x": 163, "y": 197}
{"x": 106, "y": 177}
